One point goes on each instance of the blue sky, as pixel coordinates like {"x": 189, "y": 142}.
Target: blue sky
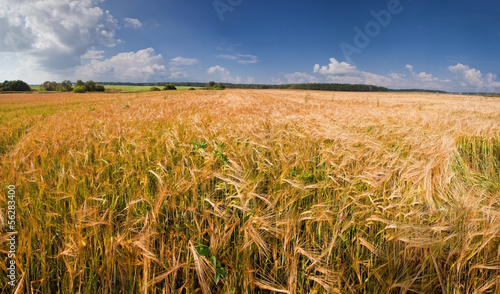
{"x": 446, "y": 45}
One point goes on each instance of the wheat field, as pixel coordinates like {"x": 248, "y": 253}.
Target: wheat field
{"x": 252, "y": 191}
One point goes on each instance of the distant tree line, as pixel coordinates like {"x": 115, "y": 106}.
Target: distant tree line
{"x": 158, "y": 84}
{"x": 419, "y": 90}
{"x": 91, "y": 86}
{"x": 311, "y": 86}
{"x": 213, "y": 86}
{"x": 67, "y": 86}
{"x": 339, "y": 87}
{"x": 88, "y": 86}
{"x": 14, "y": 86}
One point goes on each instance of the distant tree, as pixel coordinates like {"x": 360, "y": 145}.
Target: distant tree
{"x": 169, "y": 87}
{"x": 79, "y": 83}
{"x": 49, "y": 86}
{"x": 99, "y": 88}
{"x": 154, "y": 89}
{"x": 210, "y": 84}
{"x": 191, "y": 89}
{"x": 16, "y": 86}
{"x": 220, "y": 86}
{"x": 90, "y": 85}
{"x": 45, "y": 86}
{"x": 80, "y": 89}
{"x": 20, "y": 86}
{"x": 66, "y": 86}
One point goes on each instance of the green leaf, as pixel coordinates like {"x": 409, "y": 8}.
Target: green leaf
{"x": 219, "y": 272}
{"x": 203, "y": 250}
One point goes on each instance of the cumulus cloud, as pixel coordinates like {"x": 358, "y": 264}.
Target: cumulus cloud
{"x": 240, "y": 58}
{"x": 345, "y": 73}
{"x": 472, "y": 78}
{"x": 55, "y": 32}
{"x": 426, "y": 77}
{"x": 425, "y": 80}
{"x": 223, "y": 74}
{"x": 300, "y": 77}
{"x": 466, "y": 78}
{"x": 335, "y": 68}
{"x": 217, "y": 68}
{"x": 375, "y": 79}
{"x": 93, "y": 54}
{"x": 397, "y": 76}
{"x": 132, "y": 23}
{"x": 490, "y": 78}
{"x": 128, "y": 66}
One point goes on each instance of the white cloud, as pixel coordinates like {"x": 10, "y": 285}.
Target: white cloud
{"x": 467, "y": 78}
{"x": 425, "y": 80}
{"x": 345, "y": 73}
{"x": 425, "y": 77}
{"x": 335, "y": 68}
{"x": 217, "y": 68}
{"x": 55, "y": 32}
{"x": 470, "y": 76}
{"x": 179, "y": 61}
{"x": 223, "y": 74}
{"x": 128, "y": 66}
{"x": 16, "y": 67}
{"x": 240, "y": 58}
{"x": 375, "y": 79}
{"x": 396, "y": 76}
{"x": 132, "y": 23}
{"x": 93, "y": 54}
{"x": 300, "y": 77}
{"x": 490, "y": 78}
{"x": 472, "y": 79}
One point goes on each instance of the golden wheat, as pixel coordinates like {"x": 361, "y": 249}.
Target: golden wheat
{"x": 265, "y": 191}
